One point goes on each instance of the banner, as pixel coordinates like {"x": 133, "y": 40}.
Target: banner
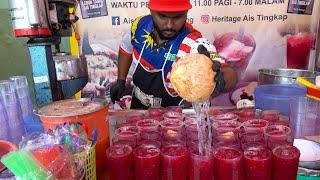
{"x": 249, "y": 34}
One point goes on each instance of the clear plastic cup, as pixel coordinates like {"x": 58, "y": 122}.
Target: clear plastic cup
{"x": 277, "y": 135}
{"x": 224, "y": 117}
{"x": 127, "y": 134}
{"x": 172, "y": 131}
{"x": 172, "y": 115}
{"x": 23, "y": 93}
{"x": 4, "y": 126}
{"x": 13, "y": 109}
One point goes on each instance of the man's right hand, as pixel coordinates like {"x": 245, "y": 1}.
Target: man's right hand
{"x": 117, "y": 90}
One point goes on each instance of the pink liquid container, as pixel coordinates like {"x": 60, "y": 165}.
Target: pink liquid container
{"x": 172, "y": 132}
{"x": 277, "y": 135}
{"x": 304, "y": 117}
{"x": 298, "y": 50}
{"x": 285, "y": 163}
{"x": 120, "y": 162}
{"x": 128, "y": 134}
{"x": 200, "y": 165}
{"x": 147, "y": 162}
{"x": 174, "y": 161}
{"x": 257, "y": 163}
{"x": 237, "y": 48}
{"x": 228, "y": 164}
{"x": 13, "y": 109}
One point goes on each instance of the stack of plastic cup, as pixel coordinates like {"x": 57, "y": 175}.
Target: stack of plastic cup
{"x": 22, "y": 89}
{"x": 13, "y": 109}
{"x": 4, "y": 127}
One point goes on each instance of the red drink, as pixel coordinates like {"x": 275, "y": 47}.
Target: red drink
{"x": 149, "y": 129}
{"x": 127, "y": 134}
{"x": 192, "y": 129}
{"x": 255, "y": 125}
{"x": 172, "y": 115}
{"x": 174, "y": 161}
{"x": 228, "y": 164}
{"x": 226, "y": 131}
{"x": 119, "y": 162}
{"x": 270, "y": 115}
{"x": 147, "y": 162}
{"x": 276, "y": 135}
{"x": 285, "y": 163}
{"x": 247, "y": 114}
{"x": 237, "y": 49}
{"x": 298, "y": 50}
{"x": 156, "y": 111}
{"x": 172, "y": 130}
{"x": 257, "y": 163}
{"x": 252, "y": 139}
{"x": 224, "y": 117}
{"x": 200, "y": 166}
{"x": 150, "y": 142}
{"x": 177, "y": 109}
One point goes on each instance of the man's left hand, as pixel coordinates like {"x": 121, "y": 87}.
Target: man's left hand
{"x": 216, "y": 67}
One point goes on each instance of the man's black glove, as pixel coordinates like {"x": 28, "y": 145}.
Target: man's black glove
{"x": 117, "y": 90}
{"x": 216, "y": 67}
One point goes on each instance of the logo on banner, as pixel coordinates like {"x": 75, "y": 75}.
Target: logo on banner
{"x": 115, "y": 20}
{"x": 205, "y": 19}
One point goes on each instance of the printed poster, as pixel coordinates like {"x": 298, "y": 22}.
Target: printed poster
{"x": 249, "y": 34}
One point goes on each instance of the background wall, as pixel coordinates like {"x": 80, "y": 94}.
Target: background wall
{"x": 14, "y": 55}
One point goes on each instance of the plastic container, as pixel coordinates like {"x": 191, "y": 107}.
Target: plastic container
{"x": 277, "y": 96}
{"x": 90, "y": 162}
{"x": 94, "y": 118}
{"x": 304, "y": 117}
{"x": 4, "y": 126}
{"x": 12, "y": 105}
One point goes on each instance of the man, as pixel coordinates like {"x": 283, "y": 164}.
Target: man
{"x": 157, "y": 40}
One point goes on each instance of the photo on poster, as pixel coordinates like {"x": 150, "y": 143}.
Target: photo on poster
{"x": 93, "y": 8}
{"x": 301, "y": 6}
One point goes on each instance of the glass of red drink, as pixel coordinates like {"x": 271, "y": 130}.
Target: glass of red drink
{"x": 226, "y": 130}
{"x": 200, "y": 165}
{"x": 257, "y": 163}
{"x": 285, "y": 162}
{"x": 247, "y": 114}
{"x": 131, "y": 121}
{"x": 270, "y": 115}
{"x": 177, "y": 109}
{"x": 192, "y": 129}
{"x": 174, "y": 162}
{"x": 127, "y": 134}
{"x": 172, "y": 115}
{"x": 156, "y": 112}
{"x": 237, "y": 48}
{"x": 255, "y": 125}
{"x": 276, "y": 135}
{"x": 298, "y": 50}
{"x": 155, "y": 143}
{"x": 120, "y": 162}
{"x": 147, "y": 162}
{"x": 228, "y": 163}
{"x": 224, "y": 117}
{"x": 252, "y": 139}
{"x": 172, "y": 132}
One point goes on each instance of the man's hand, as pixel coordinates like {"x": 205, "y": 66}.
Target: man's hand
{"x": 216, "y": 67}
{"x": 117, "y": 90}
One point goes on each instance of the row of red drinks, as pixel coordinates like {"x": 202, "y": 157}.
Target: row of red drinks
{"x": 222, "y": 135}
{"x": 174, "y": 162}
{"x": 222, "y": 129}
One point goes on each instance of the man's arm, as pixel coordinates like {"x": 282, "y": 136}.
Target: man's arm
{"x": 124, "y": 63}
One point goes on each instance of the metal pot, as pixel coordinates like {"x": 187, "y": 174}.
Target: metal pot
{"x": 284, "y": 76}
